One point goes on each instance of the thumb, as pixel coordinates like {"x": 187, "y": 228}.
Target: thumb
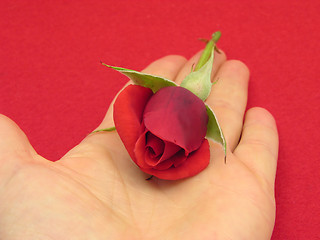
{"x": 14, "y": 144}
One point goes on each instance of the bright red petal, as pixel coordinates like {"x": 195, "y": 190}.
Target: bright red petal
{"x": 195, "y": 163}
{"x": 127, "y": 115}
{"x": 164, "y": 165}
{"x": 176, "y": 115}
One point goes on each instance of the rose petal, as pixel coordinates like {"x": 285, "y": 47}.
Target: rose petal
{"x": 156, "y": 144}
{"x": 161, "y": 165}
{"x": 140, "y": 152}
{"x": 170, "y": 149}
{"x": 179, "y": 158}
{"x": 176, "y": 115}
{"x": 143, "y": 158}
{"x": 146, "y": 159}
{"x": 150, "y": 159}
{"x": 195, "y": 163}
{"x": 128, "y": 111}
{"x": 167, "y": 149}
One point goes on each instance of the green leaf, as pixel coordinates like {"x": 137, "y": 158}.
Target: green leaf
{"x": 214, "y": 131}
{"x": 143, "y": 79}
{"x": 199, "y": 82}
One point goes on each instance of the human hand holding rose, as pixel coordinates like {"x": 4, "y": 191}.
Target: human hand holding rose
{"x": 96, "y": 192}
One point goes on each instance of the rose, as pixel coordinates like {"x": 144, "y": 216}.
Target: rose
{"x": 164, "y": 133}
{"x": 165, "y": 127}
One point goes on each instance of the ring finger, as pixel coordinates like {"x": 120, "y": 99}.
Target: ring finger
{"x": 228, "y": 99}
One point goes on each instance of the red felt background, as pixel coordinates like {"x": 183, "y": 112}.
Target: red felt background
{"x": 53, "y": 86}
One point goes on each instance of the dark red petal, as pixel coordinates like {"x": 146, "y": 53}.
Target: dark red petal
{"x": 176, "y": 115}
{"x": 127, "y": 115}
{"x": 175, "y": 160}
{"x": 155, "y": 144}
{"x": 170, "y": 149}
{"x": 140, "y": 151}
{"x": 179, "y": 158}
{"x": 195, "y": 163}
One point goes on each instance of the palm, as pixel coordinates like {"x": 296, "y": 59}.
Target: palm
{"x": 96, "y": 192}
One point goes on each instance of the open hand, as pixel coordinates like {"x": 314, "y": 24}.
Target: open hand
{"x": 96, "y": 192}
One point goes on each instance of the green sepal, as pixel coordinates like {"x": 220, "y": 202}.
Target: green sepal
{"x": 199, "y": 82}
{"x": 214, "y": 131}
{"x": 143, "y": 79}
{"x": 110, "y": 129}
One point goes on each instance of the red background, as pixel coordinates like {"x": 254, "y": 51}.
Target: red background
{"x": 53, "y": 86}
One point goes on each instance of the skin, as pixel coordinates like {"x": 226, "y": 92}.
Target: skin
{"x": 96, "y": 192}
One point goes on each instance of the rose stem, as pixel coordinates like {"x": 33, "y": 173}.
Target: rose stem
{"x": 149, "y": 178}
{"x": 207, "y": 51}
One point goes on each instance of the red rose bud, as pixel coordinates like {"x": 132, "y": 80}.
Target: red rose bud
{"x": 164, "y": 133}
{"x": 176, "y": 115}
